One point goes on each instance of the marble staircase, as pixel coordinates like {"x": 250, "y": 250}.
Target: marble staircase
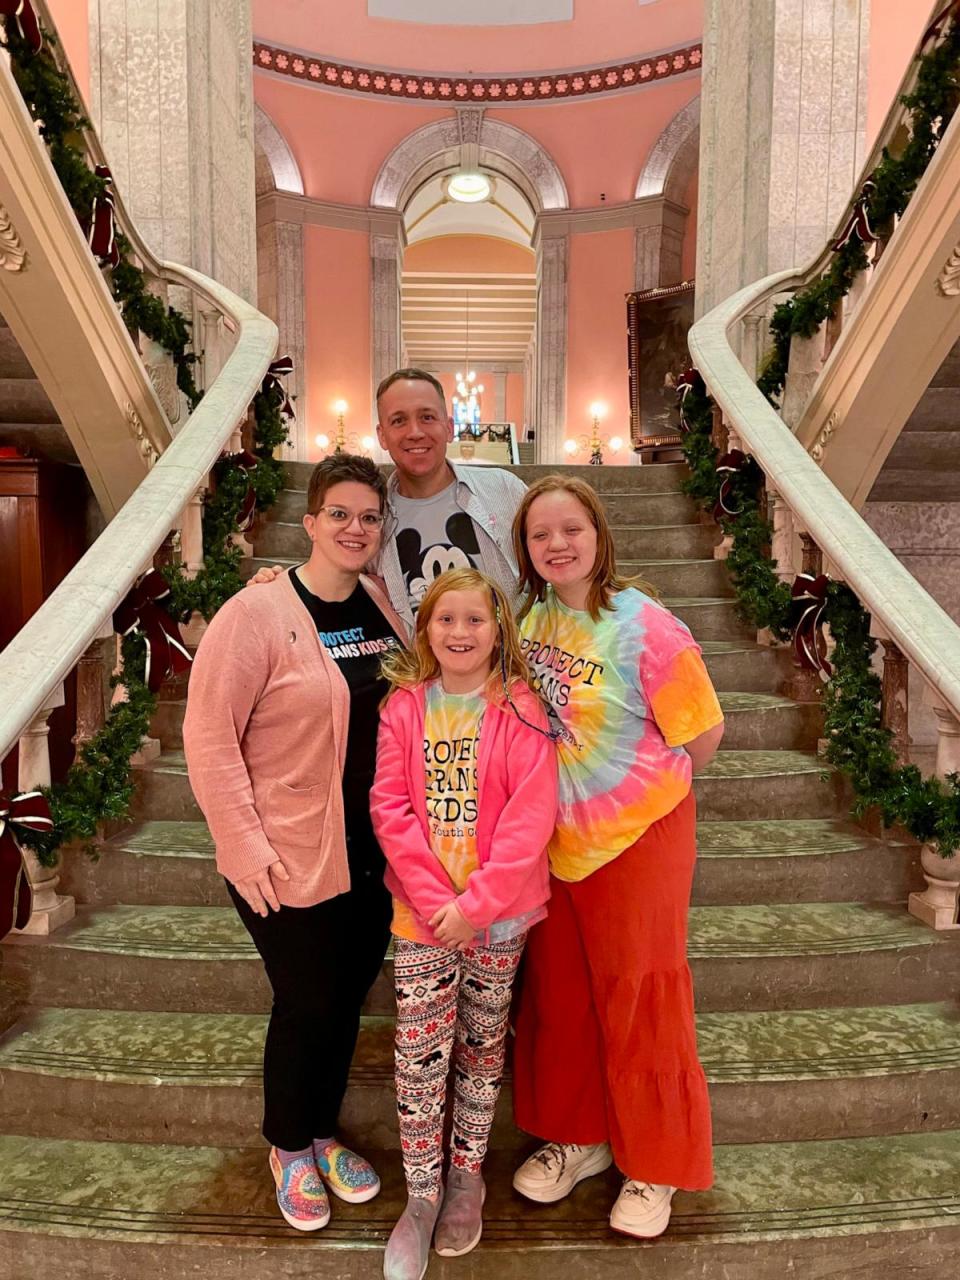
{"x": 827, "y": 1021}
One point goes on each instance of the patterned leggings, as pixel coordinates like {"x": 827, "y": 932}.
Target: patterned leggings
{"x": 445, "y": 996}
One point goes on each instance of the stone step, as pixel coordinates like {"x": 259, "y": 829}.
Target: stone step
{"x": 169, "y": 1212}
{"x": 159, "y": 863}
{"x": 24, "y": 401}
{"x": 13, "y": 363}
{"x": 755, "y": 719}
{"x": 200, "y": 959}
{"x": 748, "y": 785}
{"x": 923, "y": 450}
{"x": 196, "y": 1078}
{"x": 663, "y": 546}
{"x": 938, "y": 409}
{"x": 623, "y": 479}
{"x": 743, "y": 667}
{"x": 681, "y": 577}
{"x": 895, "y": 484}
{"x": 799, "y": 860}
{"x": 743, "y": 784}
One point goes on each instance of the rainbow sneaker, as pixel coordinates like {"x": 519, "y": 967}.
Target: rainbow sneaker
{"x": 301, "y": 1195}
{"x": 348, "y": 1175}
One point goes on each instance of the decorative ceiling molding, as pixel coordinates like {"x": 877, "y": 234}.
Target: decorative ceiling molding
{"x": 436, "y": 148}
{"x": 277, "y": 168}
{"x": 504, "y": 90}
{"x": 674, "y": 156}
{"x": 12, "y": 253}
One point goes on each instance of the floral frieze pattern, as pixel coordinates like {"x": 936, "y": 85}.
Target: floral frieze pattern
{"x": 537, "y": 87}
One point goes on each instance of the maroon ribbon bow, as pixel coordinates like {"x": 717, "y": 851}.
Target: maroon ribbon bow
{"x": 728, "y": 466}
{"x": 247, "y": 462}
{"x": 142, "y": 611}
{"x": 809, "y": 594}
{"x": 688, "y": 381}
{"x": 26, "y": 19}
{"x": 858, "y": 221}
{"x": 271, "y": 382}
{"x": 102, "y": 235}
{"x": 28, "y": 811}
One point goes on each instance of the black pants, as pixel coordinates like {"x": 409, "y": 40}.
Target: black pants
{"x": 321, "y": 962}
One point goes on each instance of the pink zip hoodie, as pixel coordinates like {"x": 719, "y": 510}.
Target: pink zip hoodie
{"x": 517, "y": 803}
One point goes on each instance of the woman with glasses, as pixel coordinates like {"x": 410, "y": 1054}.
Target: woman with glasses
{"x": 280, "y": 737}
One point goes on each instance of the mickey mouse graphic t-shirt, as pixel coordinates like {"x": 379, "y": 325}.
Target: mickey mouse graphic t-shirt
{"x": 434, "y": 535}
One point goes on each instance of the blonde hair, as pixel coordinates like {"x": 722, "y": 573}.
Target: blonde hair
{"x": 405, "y": 668}
{"x": 605, "y": 580}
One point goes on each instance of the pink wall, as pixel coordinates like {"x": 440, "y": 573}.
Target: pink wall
{"x": 71, "y": 18}
{"x": 468, "y": 253}
{"x": 337, "y": 270}
{"x": 601, "y": 31}
{"x": 515, "y": 408}
{"x": 488, "y": 402}
{"x": 895, "y": 30}
{"x": 601, "y": 272}
{"x": 599, "y": 144}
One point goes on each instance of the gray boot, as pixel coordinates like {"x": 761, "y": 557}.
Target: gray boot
{"x": 408, "y": 1249}
{"x": 461, "y": 1219}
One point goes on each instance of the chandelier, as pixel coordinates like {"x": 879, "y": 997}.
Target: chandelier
{"x": 466, "y": 403}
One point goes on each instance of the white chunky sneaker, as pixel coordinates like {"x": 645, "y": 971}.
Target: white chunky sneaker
{"x": 552, "y": 1172}
{"x": 642, "y": 1209}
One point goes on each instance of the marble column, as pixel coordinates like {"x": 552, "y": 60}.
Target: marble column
{"x": 172, "y": 98}
{"x": 386, "y": 263}
{"x": 280, "y": 295}
{"x": 782, "y": 134}
{"x": 552, "y": 259}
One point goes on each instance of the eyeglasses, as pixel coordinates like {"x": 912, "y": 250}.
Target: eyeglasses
{"x": 338, "y": 515}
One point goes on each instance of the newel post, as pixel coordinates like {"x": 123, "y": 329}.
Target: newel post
{"x": 939, "y": 903}
{"x": 50, "y": 909}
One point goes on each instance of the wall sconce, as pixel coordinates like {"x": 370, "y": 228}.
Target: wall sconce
{"x": 594, "y": 443}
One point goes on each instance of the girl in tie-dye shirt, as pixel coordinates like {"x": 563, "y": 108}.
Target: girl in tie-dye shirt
{"x": 606, "y": 1065}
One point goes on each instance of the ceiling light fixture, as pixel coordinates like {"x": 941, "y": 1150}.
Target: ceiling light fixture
{"x": 468, "y": 188}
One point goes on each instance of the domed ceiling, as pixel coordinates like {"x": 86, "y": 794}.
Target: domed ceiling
{"x": 475, "y": 37}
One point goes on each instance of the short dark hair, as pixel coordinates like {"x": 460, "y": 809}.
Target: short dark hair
{"x": 338, "y": 468}
{"x": 411, "y": 375}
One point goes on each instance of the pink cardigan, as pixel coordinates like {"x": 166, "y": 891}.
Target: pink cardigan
{"x": 265, "y": 736}
{"x": 517, "y": 790}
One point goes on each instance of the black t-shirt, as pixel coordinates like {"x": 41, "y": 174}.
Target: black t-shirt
{"x": 356, "y": 635}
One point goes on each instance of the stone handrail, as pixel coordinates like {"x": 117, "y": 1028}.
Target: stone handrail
{"x": 52, "y": 642}
{"x": 926, "y": 635}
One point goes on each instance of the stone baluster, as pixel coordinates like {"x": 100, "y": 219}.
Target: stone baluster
{"x": 91, "y": 711}
{"x": 806, "y": 361}
{"x": 939, "y": 904}
{"x": 726, "y": 440}
{"x": 50, "y": 909}
{"x": 751, "y": 355}
{"x": 781, "y": 547}
{"x": 895, "y": 698}
{"x": 833, "y": 327}
{"x": 213, "y": 345}
{"x": 191, "y": 535}
{"x": 804, "y": 685}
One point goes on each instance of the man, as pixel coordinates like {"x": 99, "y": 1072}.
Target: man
{"x": 442, "y": 516}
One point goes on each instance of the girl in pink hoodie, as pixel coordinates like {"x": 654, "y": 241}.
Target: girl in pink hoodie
{"x": 463, "y": 804}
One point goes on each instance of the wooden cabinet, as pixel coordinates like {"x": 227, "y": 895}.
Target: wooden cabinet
{"x": 42, "y": 536}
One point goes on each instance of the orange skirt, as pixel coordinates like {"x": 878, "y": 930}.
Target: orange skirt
{"x": 606, "y": 1047}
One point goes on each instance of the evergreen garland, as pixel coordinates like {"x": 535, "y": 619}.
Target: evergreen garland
{"x": 931, "y": 105}
{"x": 100, "y": 783}
{"x": 49, "y": 98}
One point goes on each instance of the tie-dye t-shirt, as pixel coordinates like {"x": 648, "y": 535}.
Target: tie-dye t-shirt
{"x": 629, "y": 690}
{"x": 451, "y": 747}
{"x": 451, "y": 743}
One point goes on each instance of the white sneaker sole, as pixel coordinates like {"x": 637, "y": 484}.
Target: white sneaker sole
{"x": 303, "y": 1224}
{"x": 656, "y": 1226}
{"x": 352, "y": 1197}
{"x": 598, "y": 1163}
